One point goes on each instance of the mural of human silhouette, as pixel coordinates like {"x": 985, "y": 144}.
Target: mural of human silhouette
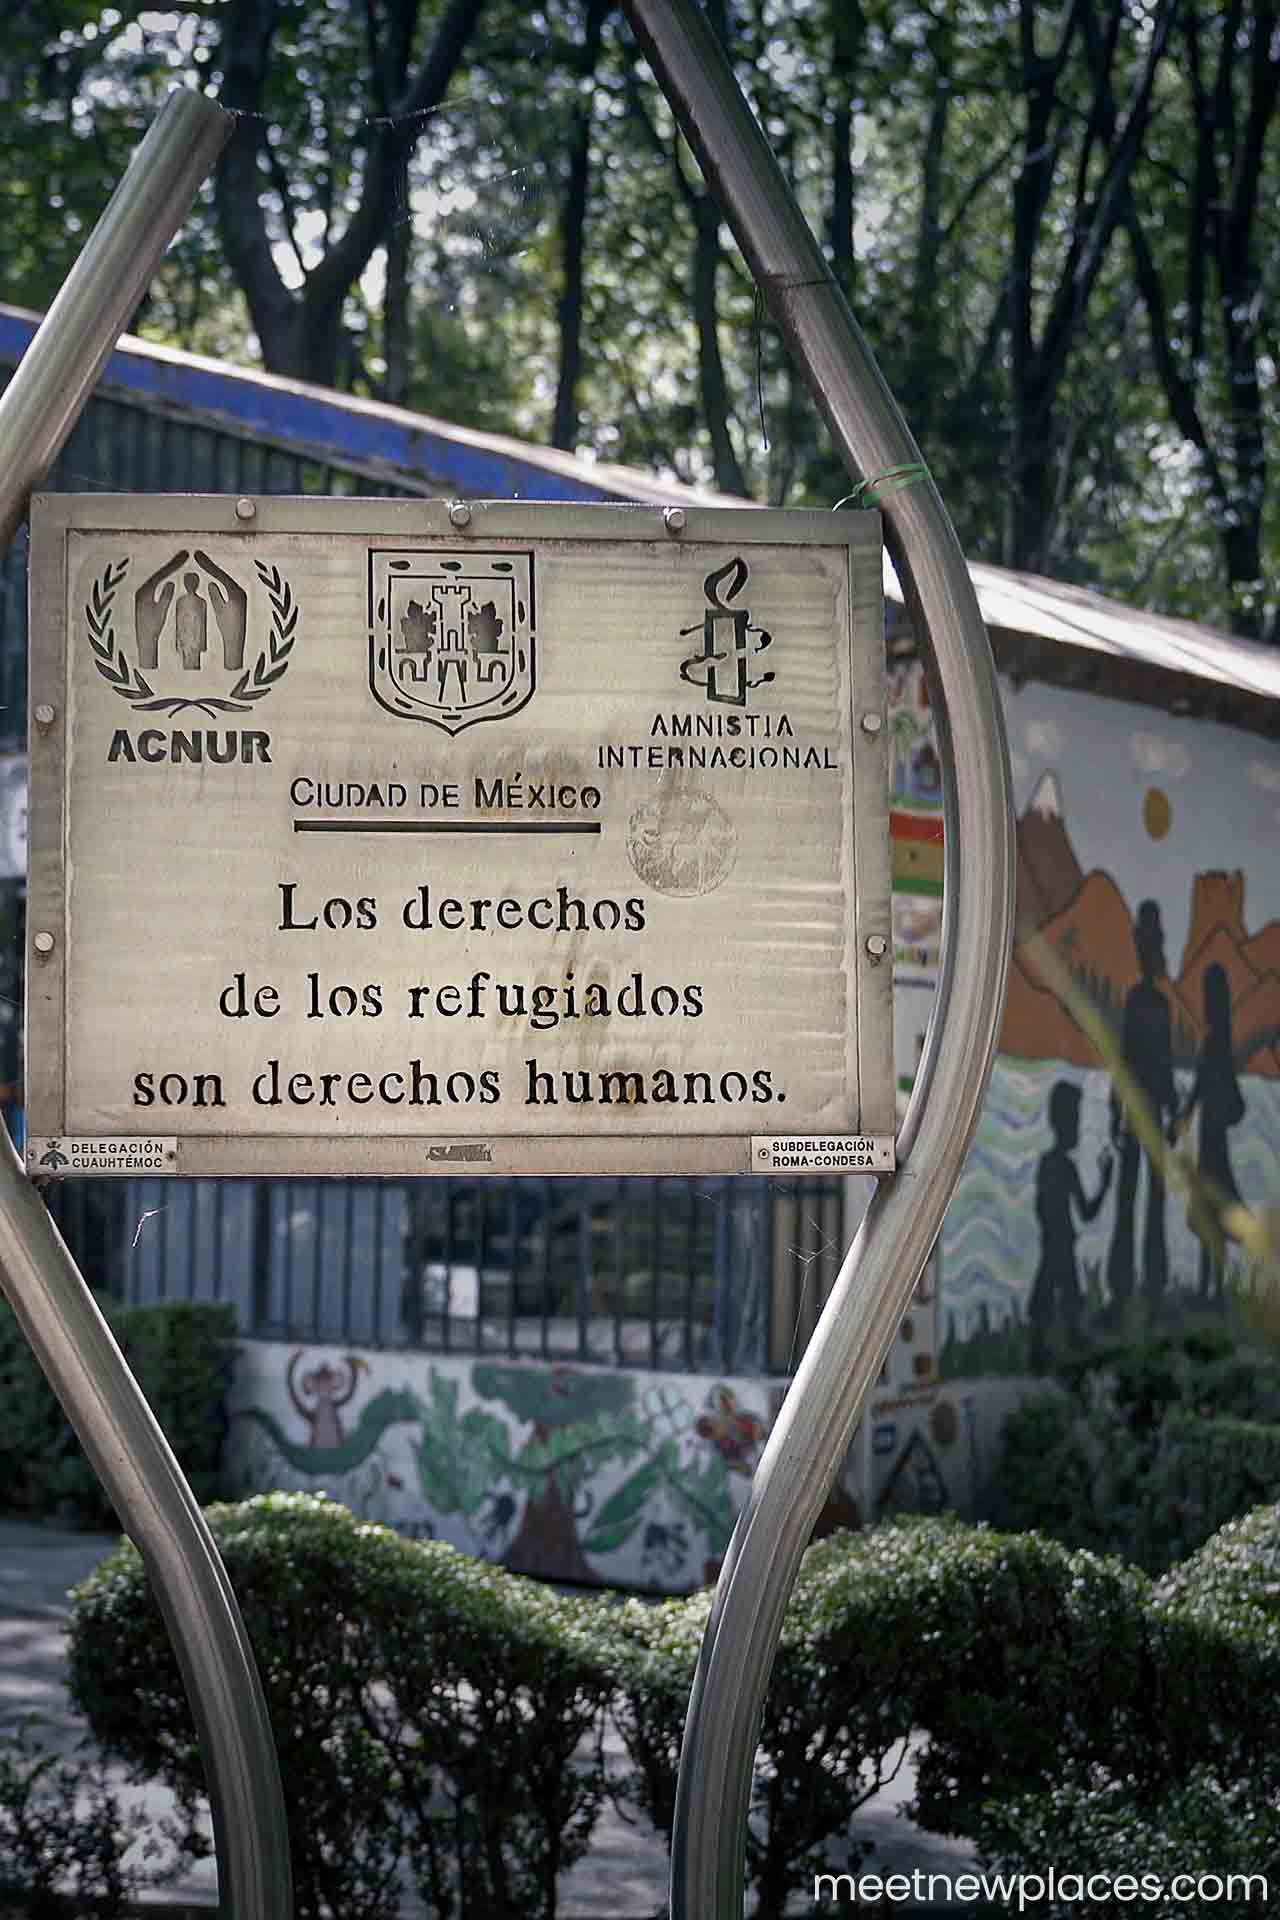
{"x": 1146, "y": 1040}
{"x": 1056, "y": 1298}
{"x": 1217, "y": 1094}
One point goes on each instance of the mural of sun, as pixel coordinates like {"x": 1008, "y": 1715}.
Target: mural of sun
{"x": 1156, "y": 813}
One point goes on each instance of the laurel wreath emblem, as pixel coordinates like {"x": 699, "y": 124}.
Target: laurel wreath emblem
{"x": 132, "y": 684}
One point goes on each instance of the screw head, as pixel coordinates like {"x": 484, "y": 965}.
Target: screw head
{"x": 44, "y": 944}
{"x": 246, "y": 509}
{"x": 674, "y": 520}
{"x": 871, "y": 723}
{"x": 460, "y": 514}
{"x": 45, "y": 717}
{"x": 877, "y": 947}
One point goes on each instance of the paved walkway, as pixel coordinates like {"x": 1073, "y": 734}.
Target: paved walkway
{"x": 622, "y": 1877}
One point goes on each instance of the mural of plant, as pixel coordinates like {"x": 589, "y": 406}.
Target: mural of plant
{"x": 581, "y": 1423}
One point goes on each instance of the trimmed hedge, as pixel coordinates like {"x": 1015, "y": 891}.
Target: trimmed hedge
{"x": 1148, "y": 1452}
{"x": 180, "y": 1352}
{"x": 986, "y": 1640}
{"x": 440, "y": 1718}
{"x": 426, "y": 1707}
{"x": 65, "y": 1835}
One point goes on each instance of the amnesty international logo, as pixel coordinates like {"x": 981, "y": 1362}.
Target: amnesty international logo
{"x": 730, "y": 639}
{"x": 451, "y": 635}
{"x": 189, "y": 616}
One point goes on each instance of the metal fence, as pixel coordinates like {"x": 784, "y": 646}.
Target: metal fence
{"x": 724, "y": 1276}
{"x": 712, "y": 1275}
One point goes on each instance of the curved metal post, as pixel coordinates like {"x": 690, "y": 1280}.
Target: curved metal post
{"x": 71, "y": 1340}
{"x": 874, "y": 1286}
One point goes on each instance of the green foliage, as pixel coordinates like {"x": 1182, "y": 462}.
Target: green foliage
{"x": 1195, "y": 1790}
{"x": 64, "y": 1835}
{"x": 1091, "y": 396}
{"x": 426, "y": 1707}
{"x": 989, "y": 1641}
{"x": 441, "y": 1717}
{"x": 1203, "y": 1825}
{"x": 1150, "y": 1449}
{"x": 180, "y": 1352}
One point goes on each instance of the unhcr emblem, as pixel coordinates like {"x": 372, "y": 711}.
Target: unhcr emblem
{"x": 451, "y": 635}
{"x": 190, "y": 616}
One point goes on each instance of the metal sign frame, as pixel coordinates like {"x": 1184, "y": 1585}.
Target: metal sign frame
{"x": 325, "y": 551}
{"x": 872, "y": 1291}
{"x": 68, "y": 1335}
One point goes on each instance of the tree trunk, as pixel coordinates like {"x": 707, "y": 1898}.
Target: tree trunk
{"x": 395, "y": 303}
{"x": 573, "y": 229}
{"x": 712, "y": 384}
{"x": 547, "y": 1543}
{"x": 845, "y": 27}
{"x": 301, "y": 334}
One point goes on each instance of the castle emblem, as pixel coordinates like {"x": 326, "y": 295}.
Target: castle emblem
{"x": 451, "y": 635}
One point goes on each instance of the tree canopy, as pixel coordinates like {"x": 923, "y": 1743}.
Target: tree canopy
{"x": 1057, "y": 225}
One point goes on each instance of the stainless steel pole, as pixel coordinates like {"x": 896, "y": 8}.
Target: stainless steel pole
{"x": 43, "y": 400}
{"x": 874, "y": 1286}
{"x": 57, "y": 1313}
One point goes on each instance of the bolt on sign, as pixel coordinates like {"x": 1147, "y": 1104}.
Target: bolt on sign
{"x": 394, "y": 838}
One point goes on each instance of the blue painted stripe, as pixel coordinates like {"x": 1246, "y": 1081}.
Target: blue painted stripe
{"x": 311, "y": 423}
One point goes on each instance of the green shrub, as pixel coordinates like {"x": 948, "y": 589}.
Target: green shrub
{"x": 1200, "y": 1826}
{"x": 1147, "y": 1453}
{"x": 441, "y": 1717}
{"x": 65, "y": 1836}
{"x": 1191, "y": 1784}
{"x": 1217, "y": 1618}
{"x": 180, "y": 1352}
{"x": 426, "y": 1707}
{"x": 1011, "y": 1652}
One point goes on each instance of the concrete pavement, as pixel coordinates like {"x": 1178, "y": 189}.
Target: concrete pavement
{"x": 623, "y": 1876}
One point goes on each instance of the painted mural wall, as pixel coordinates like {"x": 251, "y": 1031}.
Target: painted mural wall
{"x": 600, "y": 1475}
{"x": 1147, "y": 856}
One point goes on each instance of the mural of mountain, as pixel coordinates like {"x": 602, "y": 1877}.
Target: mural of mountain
{"x": 1049, "y": 875}
{"x": 1256, "y": 1023}
{"x": 1263, "y": 950}
{"x": 1217, "y": 900}
{"x": 1038, "y": 1027}
{"x": 1217, "y": 948}
{"x": 1094, "y": 935}
{"x": 1089, "y": 921}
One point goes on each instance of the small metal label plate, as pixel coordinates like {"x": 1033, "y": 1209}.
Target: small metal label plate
{"x": 61, "y": 1157}
{"x": 816, "y": 1153}
{"x": 365, "y": 843}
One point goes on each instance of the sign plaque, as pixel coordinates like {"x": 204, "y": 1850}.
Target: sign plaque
{"x": 385, "y": 838}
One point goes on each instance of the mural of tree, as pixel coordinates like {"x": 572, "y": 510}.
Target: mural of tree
{"x": 581, "y": 1423}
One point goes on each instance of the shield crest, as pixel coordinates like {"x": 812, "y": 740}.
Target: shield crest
{"x": 451, "y": 634}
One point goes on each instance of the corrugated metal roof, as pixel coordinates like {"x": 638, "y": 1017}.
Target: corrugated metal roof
{"x": 1040, "y": 628}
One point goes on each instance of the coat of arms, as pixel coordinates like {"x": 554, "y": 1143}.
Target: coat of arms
{"x": 451, "y": 635}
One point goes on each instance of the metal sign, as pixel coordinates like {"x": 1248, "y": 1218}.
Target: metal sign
{"x": 394, "y": 838}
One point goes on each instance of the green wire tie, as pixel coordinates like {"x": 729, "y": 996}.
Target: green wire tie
{"x": 867, "y": 492}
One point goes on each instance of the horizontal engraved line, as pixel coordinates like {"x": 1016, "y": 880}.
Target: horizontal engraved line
{"x": 446, "y": 826}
